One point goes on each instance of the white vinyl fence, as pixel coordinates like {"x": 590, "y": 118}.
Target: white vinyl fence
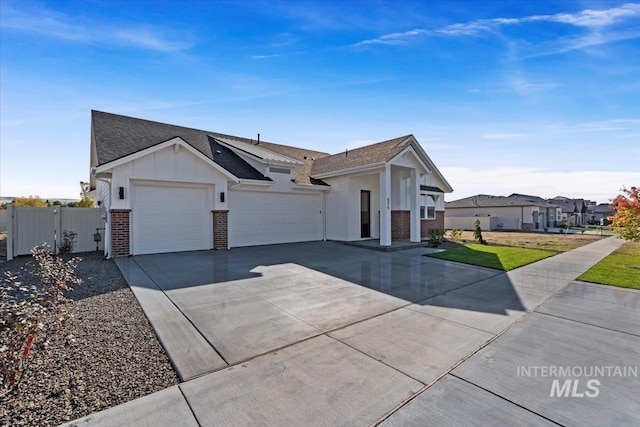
{"x": 469, "y": 222}
{"x": 30, "y": 227}
{"x": 3, "y": 220}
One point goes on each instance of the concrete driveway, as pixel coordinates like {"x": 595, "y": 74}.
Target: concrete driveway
{"x": 326, "y": 334}
{"x": 246, "y": 302}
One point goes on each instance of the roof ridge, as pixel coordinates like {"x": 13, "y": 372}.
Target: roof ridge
{"x": 401, "y": 138}
{"x": 213, "y": 133}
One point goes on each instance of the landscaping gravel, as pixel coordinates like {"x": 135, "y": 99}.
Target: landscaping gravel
{"x": 116, "y": 356}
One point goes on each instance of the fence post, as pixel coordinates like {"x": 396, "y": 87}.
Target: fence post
{"x": 10, "y": 229}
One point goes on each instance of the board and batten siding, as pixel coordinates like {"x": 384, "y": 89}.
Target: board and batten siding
{"x": 166, "y": 166}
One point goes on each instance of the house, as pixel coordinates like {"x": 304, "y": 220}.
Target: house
{"x": 513, "y": 212}
{"x": 574, "y": 211}
{"x": 601, "y": 214}
{"x": 166, "y": 188}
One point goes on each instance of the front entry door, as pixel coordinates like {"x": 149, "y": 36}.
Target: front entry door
{"x": 365, "y": 213}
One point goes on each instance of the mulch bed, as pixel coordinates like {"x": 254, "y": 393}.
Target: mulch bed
{"x": 116, "y": 356}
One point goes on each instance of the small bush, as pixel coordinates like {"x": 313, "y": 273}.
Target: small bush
{"x": 436, "y": 236}
{"x": 30, "y": 316}
{"x": 477, "y": 233}
{"x": 455, "y": 235}
{"x": 68, "y": 242}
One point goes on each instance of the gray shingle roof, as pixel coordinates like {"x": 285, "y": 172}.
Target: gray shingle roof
{"x": 371, "y": 154}
{"x": 604, "y": 208}
{"x": 570, "y": 205}
{"x": 487, "y": 200}
{"x": 119, "y": 136}
{"x": 229, "y": 160}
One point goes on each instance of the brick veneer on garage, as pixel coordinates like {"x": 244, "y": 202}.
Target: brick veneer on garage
{"x": 400, "y": 225}
{"x": 427, "y": 224}
{"x": 120, "y": 232}
{"x": 220, "y": 229}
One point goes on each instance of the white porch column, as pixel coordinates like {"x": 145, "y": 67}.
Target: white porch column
{"x": 385, "y": 206}
{"x": 414, "y": 200}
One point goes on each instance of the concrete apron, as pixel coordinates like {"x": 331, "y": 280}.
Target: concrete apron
{"x": 359, "y": 373}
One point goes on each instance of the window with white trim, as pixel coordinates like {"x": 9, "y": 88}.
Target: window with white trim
{"x": 428, "y": 206}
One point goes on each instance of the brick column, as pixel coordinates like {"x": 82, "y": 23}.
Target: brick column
{"x": 220, "y": 230}
{"x": 400, "y": 225}
{"x": 120, "y": 232}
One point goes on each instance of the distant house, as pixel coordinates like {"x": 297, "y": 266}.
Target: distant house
{"x": 602, "y": 212}
{"x": 513, "y": 212}
{"x": 574, "y": 211}
{"x": 166, "y": 188}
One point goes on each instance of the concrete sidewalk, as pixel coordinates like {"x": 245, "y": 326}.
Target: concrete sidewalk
{"x": 360, "y": 373}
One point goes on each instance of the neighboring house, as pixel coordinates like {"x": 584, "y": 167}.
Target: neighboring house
{"x": 574, "y": 211}
{"x": 514, "y": 212}
{"x": 167, "y": 188}
{"x": 601, "y": 213}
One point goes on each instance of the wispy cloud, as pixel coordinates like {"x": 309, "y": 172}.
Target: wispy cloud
{"x": 595, "y": 21}
{"x": 502, "y": 136}
{"x": 48, "y": 23}
{"x": 609, "y": 125}
{"x": 592, "y": 18}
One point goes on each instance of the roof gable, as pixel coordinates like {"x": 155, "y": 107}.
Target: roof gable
{"x": 374, "y": 155}
{"x": 380, "y": 152}
{"x": 175, "y": 142}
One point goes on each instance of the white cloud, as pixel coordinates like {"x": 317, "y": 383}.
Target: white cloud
{"x": 393, "y": 38}
{"x": 502, "y": 135}
{"x": 49, "y": 23}
{"x": 593, "y": 185}
{"x": 594, "y": 20}
{"x": 609, "y": 125}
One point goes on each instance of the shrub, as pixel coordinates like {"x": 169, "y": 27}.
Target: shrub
{"x": 68, "y": 242}
{"x": 455, "y": 235}
{"x": 477, "y": 233}
{"x": 436, "y": 236}
{"x": 31, "y": 316}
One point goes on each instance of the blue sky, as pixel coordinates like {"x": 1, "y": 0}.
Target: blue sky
{"x": 531, "y": 97}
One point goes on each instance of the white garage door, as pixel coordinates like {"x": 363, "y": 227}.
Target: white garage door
{"x": 260, "y": 218}
{"x": 170, "y": 219}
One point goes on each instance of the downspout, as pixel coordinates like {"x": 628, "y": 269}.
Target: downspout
{"x": 521, "y": 217}
{"x": 107, "y": 228}
{"x": 324, "y": 214}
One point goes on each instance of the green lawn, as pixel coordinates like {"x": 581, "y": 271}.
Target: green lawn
{"x": 499, "y": 257}
{"x": 621, "y": 268}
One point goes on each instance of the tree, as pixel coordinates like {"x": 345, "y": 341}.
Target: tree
{"x": 31, "y": 201}
{"x": 86, "y": 201}
{"x": 627, "y": 217}
{"x": 477, "y": 233}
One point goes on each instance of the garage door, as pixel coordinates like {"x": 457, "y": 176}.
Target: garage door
{"x": 170, "y": 219}
{"x": 260, "y": 218}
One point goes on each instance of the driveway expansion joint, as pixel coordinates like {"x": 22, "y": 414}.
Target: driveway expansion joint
{"x": 506, "y": 400}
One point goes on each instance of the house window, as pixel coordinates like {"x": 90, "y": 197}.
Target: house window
{"x": 280, "y": 170}
{"x": 428, "y": 206}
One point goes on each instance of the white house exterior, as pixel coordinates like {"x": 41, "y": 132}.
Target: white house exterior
{"x": 166, "y": 188}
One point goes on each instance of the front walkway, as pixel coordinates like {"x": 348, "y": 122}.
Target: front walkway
{"x": 453, "y": 355}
